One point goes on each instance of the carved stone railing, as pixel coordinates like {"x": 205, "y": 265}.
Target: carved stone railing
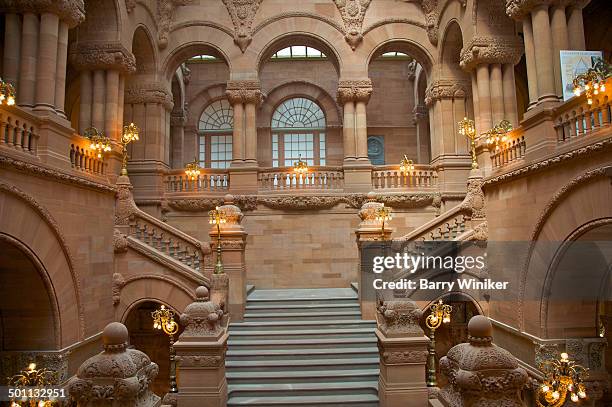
{"x": 511, "y": 152}
{"x": 285, "y": 179}
{"x": 209, "y": 180}
{"x": 83, "y": 159}
{"x": 576, "y": 118}
{"x": 390, "y": 177}
{"x": 18, "y": 130}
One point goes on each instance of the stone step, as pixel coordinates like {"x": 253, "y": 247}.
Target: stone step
{"x": 268, "y": 308}
{"x": 303, "y": 333}
{"x": 299, "y": 324}
{"x": 300, "y": 364}
{"x": 307, "y": 376}
{"x": 320, "y": 353}
{"x": 296, "y": 343}
{"x": 303, "y": 389}
{"x": 301, "y": 316}
{"x": 302, "y": 301}
{"x": 365, "y": 400}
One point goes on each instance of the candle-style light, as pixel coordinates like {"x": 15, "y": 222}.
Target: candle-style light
{"x": 300, "y": 167}
{"x": 192, "y": 170}
{"x": 7, "y": 93}
{"x": 129, "y": 135}
{"x": 498, "y": 135}
{"x": 218, "y": 217}
{"x": 467, "y": 129}
{"x": 383, "y": 215}
{"x": 163, "y": 319}
{"x": 440, "y": 314}
{"x": 562, "y": 377}
{"x": 406, "y": 165}
{"x": 98, "y": 142}
{"x": 593, "y": 80}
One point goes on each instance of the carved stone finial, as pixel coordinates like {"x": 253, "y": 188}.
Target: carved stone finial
{"x": 353, "y": 13}
{"x": 368, "y": 210}
{"x": 117, "y": 376}
{"x": 202, "y": 318}
{"x": 92, "y": 55}
{"x": 397, "y": 318}
{"x": 242, "y": 13}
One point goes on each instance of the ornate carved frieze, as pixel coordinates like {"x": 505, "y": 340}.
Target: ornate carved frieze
{"x": 93, "y": 55}
{"x": 165, "y": 16}
{"x": 72, "y": 12}
{"x": 354, "y": 90}
{"x": 244, "y": 92}
{"x": 148, "y": 92}
{"x": 200, "y": 360}
{"x": 446, "y": 89}
{"x": 242, "y": 13}
{"x": 491, "y": 50}
{"x": 402, "y": 357}
{"x": 353, "y": 13}
{"x": 297, "y": 202}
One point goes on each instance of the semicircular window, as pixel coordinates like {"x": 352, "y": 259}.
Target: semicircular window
{"x": 216, "y": 126}
{"x": 298, "y": 132}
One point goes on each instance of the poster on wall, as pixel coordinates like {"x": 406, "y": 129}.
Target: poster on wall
{"x": 574, "y": 63}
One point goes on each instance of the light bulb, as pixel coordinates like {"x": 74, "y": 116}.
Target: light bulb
{"x": 545, "y": 388}
{"x": 590, "y": 101}
{"x": 446, "y": 320}
{"x": 32, "y": 366}
{"x": 574, "y": 397}
{"x": 602, "y": 87}
{"x": 581, "y": 394}
{"x": 556, "y": 395}
{"x": 564, "y": 357}
{"x": 11, "y": 101}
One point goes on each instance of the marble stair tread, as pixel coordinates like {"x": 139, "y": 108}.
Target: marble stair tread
{"x": 309, "y": 374}
{"x": 340, "y": 400}
{"x": 300, "y": 341}
{"x": 339, "y": 322}
{"x": 300, "y": 306}
{"x": 295, "y": 363}
{"x": 306, "y": 332}
{"x": 371, "y": 384}
{"x": 303, "y": 293}
{"x": 303, "y": 351}
{"x": 318, "y": 314}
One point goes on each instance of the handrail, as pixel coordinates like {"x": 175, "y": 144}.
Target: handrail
{"x": 448, "y": 225}
{"x": 576, "y": 117}
{"x": 390, "y": 177}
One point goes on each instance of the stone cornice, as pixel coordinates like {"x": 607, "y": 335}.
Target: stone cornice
{"x": 446, "y": 89}
{"x": 244, "y": 92}
{"x": 40, "y": 170}
{"x": 72, "y": 12}
{"x": 491, "y": 50}
{"x": 92, "y": 55}
{"x": 148, "y": 92}
{"x": 358, "y": 90}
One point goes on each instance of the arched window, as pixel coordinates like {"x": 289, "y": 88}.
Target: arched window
{"x": 298, "y": 129}
{"x": 216, "y": 127}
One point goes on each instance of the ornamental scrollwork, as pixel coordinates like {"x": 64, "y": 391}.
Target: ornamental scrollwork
{"x": 200, "y": 360}
{"x": 354, "y": 90}
{"x": 72, "y": 12}
{"x": 400, "y": 357}
{"x": 242, "y": 13}
{"x": 244, "y": 92}
{"x": 149, "y": 92}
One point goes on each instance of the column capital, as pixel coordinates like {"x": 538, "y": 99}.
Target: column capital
{"x": 244, "y": 92}
{"x": 446, "y": 89}
{"x": 358, "y": 90}
{"x": 92, "y": 55}
{"x": 491, "y": 50}
{"x": 518, "y": 9}
{"x": 178, "y": 119}
{"x": 149, "y": 92}
{"x": 72, "y": 12}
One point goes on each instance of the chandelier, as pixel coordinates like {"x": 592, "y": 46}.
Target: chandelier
{"x": 593, "y": 80}
{"x": 98, "y": 141}
{"x": 7, "y": 93}
{"x": 406, "y": 165}
{"x": 192, "y": 170}
{"x": 300, "y": 167}
{"x": 562, "y": 376}
{"x": 498, "y": 135}
{"x": 33, "y": 379}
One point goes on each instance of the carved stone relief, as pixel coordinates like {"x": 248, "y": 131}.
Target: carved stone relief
{"x": 242, "y": 13}
{"x": 353, "y": 12}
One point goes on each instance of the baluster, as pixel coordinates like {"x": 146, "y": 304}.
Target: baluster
{"x": 606, "y": 113}
{"x": 18, "y": 130}
{"x": 596, "y": 109}
{"x": 3, "y": 130}
{"x": 586, "y": 120}
{"x": 196, "y": 261}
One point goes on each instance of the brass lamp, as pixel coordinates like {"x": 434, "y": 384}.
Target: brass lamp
{"x": 406, "y": 165}
{"x": 468, "y": 129}
{"x": 32, "y": 377}
{"x": 498, "y": 135}
{"x": 593, "y": 80}
{"x": 218, "y": 217}
{"x": 440, "y": 314}
{"x": 98, "y": 141}
{"x": 192, "y": 170}
{"x": 300, "y": 167}
{"x": 383, "y": 214}
{"x": 130, "y": 134}
{"x": 562, "y": 376}
{"x": 7, "y": 93}
{"x": 163, "y": 319}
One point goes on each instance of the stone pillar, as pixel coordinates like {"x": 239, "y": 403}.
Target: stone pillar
{"x": 250, "y": 133}
{"x": 575, "y": 27}
{"x": 12, "y": 48}
{"x": 178, "y": 119}
{"x": 200, "y": 354}
{"x": 475, "y": 99}
{"x": 510, "y": 106}
{"x": 403, "y": 354}
{"x": 98, "y": 96}
{"x": 497, "y": 93}
{"x": 233, "y": 245}
{"x": 361, "y": 127}
{"x": 60, "y": 72}
{"x": 117, "y": 376}
{"x": 532, "y": 77}
{"x": 86, "y": 101}
{"x": 484, "y": 97}
{"x": 480, "y": 373}
{"x": 422, "y": 126}
{"x": 238, "y": 132}
{"x": 542, "y": 38}
{"x": 46, "y": 67}
{"x": 29, "y": 58}
{"x": 560, "y": 42}
{"x": 348, "y": 129}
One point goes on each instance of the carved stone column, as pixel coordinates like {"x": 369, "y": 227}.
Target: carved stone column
{"x": 117, "y": 376}
{"x": 575, "y": 25}
{"x": 233, "y": 244}
{"x": 480, "y": 373}
{"x": 421, "y": 119}
{"x": 178, "y": 119}
{"x": 403, "y": 354}
{"x": 200, "y": 353}
{"x": 558, "y": 25}
{"x": 12, "y": 48}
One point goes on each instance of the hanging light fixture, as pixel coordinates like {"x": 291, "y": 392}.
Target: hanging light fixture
{"x": 7, "y": 93}
{"x": 300, "y": 167}
{"x": 98, "y": 141}
{"x": 406, "y": 165}
{"x": 593, "y": 80}
{"x": 562, "y": 376}
{"x": 192, "y": 170}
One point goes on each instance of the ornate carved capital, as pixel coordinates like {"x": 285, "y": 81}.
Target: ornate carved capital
{"x": 242, "y": 13}
{"x": 179, "y": 118}
{"x": 446, "y": 89}
{"x": 397, "y": 318}
{"x": 244, "y": 92}
{"x": 72, "y": 12}
{"x": 354, "y": 91}
{"x": 432, "y": 16}
{"x": 352, "y": 13}
{"x": 165, "y": 16}
{"x": 93, "y": 55}
{"x": 491, "y": 50}
{"x": 148, "y": 92}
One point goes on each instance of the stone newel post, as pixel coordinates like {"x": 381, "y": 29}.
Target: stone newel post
{"x": 403, "y": 353}
{"x": 116, "y": 377}
{"x": 481, "y": 374}
{"x": 233, "y": 243}
{"x": 200, "y": 352}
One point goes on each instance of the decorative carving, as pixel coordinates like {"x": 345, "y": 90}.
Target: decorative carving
{"x": 72, "y": 12}
{"x": 446, "y": 89}
{"x": 353, "y": 12}
{"x": 474, "y": 200}
{"x": 354, "y": 91}
{"x": 124, "y": 206}
{"x": 202, "y": 318}
{"x": 244, "y": 92}
{"x": 178, "y": 118}
{"x": 120, "y": 242}
{"x": 130, "y": 5}
{"x": 398, "y": 318}
{"x": 480, "y": 233}
{"x": 432, "y": 17}
{"x": 200, "y": 361}
{"x": 297, "y": 202}
{"x": 165, "y": 16}
{"x": 401, "y": 357}
{"x": 491, "y": 50}
{"x": 518, "y": 8}
{"x": 92, "y": 55}
{"x": 118, "y": 284}
{"x": 368, "y": 210}
{"x": 149, "y": 92}
{"x": 244, "y": 202}
{"x": 242, "y": 13}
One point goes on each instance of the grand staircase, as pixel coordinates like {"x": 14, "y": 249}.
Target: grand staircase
{"x": 302, "y": 347}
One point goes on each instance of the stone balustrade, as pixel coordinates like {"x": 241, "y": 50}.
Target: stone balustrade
{"x": 209, "y": 180}
{"x": 390, "y": 177}
{"x": 18, "y": 130}
{"x": 284, "y": 178}
{"x": 576, "y": 118}
{"x": 83, "y": 159}
{"x": 510, "y": 152}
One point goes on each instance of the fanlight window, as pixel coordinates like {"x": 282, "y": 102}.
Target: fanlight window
{"x": 298, "y": 131}
{"x": 216, "y": 126}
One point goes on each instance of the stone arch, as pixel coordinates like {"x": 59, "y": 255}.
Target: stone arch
{"x": 33, "y": 226}
{"x": 450, "y": 50}
{"x": 103, "y": 22}
{"x": 203, "y": 98}
{"x": 300, "y": 88}
{"x": 144, "y": 51}
{"x": 581, "y": 201}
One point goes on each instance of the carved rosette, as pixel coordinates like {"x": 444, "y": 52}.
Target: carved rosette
{"x": 244, "y": 92}
{"x": 149, "y": 92}
{"x": 202, "y": 318}
{"x": 242, "y": 13}
{"x": 491, "y": 50}
{"x": 446, "y": 89}
{"x": 397, "y": 318}
{"x": 92, "y": 55}
{"x": 72, "y": 12}
{"x": 117, "y": 375}
{"x": 354, "y": 91}
{"x": 353, "y": 13}
{"x": 165, "y": 16}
